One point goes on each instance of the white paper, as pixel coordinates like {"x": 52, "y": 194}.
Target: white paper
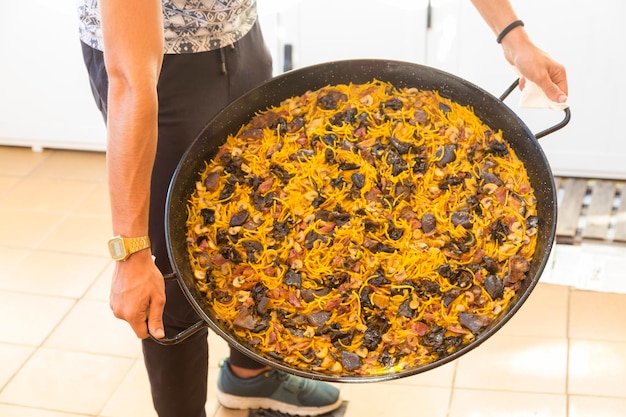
{"x": 534, "y": 97}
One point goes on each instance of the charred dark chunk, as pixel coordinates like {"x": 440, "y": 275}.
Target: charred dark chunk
{"x": 494, "y": 287}
{"x": 281, "y": 125}
{"x": 499, "y": 231}
{"x": 348, "y": 166}
{"x": 340, "y": 118}
{"x": 329, "y": 156}
{"x": 490, "y": 264}
{"x": 462, "y": 245}
{"x": 280, "y": 230}
{"x": 350, "y": 360}
{"x": 252, "y": 248}
{"x": 231, "y": 254}
{"x": 318, "y": 318}
{"x": 497, "y": 148}
{"x": 280, "y": 173}
{"x": 445, "y": 271}
{"x": 400, "y": 146}
{"x": 309, "y": 295}
{"x": 474, "y": 206}
{"x": 462, "y": 277}
{"x": 267, "y": 119}
{"x": 429, "y": 223}
{"x": 388, "y": 360}
{"x": 394, "y": 232}
{"x": 337, "y": 182}
{"x": 293, "y": 278}
{"x": 318, "y": 201}
{"x": 365, "y": 297}
{"x": 339, "y": 216}
{"x": 239, "y": 218}
{"x": 532, "y": 222}
{"x": 445, "y": 155}
{"x": 362, "y": 120}
{"x": 358, "y": 180}
{"x": 393, "y": 104}
{"x": 212, "y": 180}
{"x": 435, "y": 339}
{"x": 430, "y": 288}
{"x": 421, "y": 116}
{"x": 451, "y": 295}
{"x": 518, "y": 266}
{"x": 324, "y": 215}
{"x": 252, "y": 134}
{"x": 295, "y": 124}
{"x": 208, "y": 216}
{"x": 444, "y": 107}
{"x": 461, "y": 218}
{"x": 264, "y": 201}
{"x": 330, "y": 100}
{"x": 405, "y": 310}
{"x": 312, "y": 237}
{"x": 420, "y": 165}
{"x": 379, "y": 278}
{"x": 382, "y": 247}
{"x": 370, "y": 225}
{"x": 334, "y": 281}
{"x": 489, "y": 178}
{"x": 450, "y": 181}
{"x": 330, "y": 139}
{"x": 246, "y": 319}
{"x": 258, "y": 291}
{"x": 374, "y": 333}
{"x": 398, "y": 165}
{"x": 474, "y": 322}
{"x": 302, "y": 155}
{"x": 227, "y": 191}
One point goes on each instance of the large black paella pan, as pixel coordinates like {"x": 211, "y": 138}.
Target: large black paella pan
{"x": 491, "y": 110}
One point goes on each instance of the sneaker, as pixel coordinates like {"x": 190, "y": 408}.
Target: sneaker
{"x": 276, "y": 390}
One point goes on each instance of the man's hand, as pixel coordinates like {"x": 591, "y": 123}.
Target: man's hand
{"x": 138, "y": 294}
{"x": 537, "y": 66}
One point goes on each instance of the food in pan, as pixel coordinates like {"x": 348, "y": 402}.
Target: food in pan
{"x": 361, "y": 229}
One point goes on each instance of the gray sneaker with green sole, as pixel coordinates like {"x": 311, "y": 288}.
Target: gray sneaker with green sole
{"x": 276, "y": 390}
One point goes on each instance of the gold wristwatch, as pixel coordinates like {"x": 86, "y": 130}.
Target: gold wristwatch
{"x": 122, "y": 247}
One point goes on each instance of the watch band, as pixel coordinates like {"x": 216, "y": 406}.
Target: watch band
{"x": 135, "y": 244}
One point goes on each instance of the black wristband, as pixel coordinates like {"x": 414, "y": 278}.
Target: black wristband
{"x": 507, "y": 29}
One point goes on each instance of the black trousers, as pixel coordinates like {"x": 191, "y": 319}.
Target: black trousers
{"x": 192, "y": 88}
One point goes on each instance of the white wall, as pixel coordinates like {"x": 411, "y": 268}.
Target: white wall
{"x": 45, "y": 98}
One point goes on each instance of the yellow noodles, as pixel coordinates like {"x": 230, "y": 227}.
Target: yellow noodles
{"x": 361, "y": 229}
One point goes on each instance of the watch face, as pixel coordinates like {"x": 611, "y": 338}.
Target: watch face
{"x": 116, "y": 247}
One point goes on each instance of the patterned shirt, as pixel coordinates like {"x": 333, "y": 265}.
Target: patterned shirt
{"x": 189, "y": 25}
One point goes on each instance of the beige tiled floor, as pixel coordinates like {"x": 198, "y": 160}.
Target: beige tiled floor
{"x": 62, "y": 354}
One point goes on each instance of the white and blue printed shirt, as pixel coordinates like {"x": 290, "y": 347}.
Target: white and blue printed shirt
{"x": 189, "y": 25}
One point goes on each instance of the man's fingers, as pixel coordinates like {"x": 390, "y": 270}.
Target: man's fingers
{"x": 553, "y": 92}
{"x": 155, "y": 319}
{"x": 140, "y": 328}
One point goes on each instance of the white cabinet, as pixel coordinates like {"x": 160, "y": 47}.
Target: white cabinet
{"x": 45, "y": 98}
{"x": 327, "y": 30}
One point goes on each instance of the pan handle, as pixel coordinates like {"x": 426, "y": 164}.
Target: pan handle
{"x": 190, "y": 331}
{"x": 561, "y": 124}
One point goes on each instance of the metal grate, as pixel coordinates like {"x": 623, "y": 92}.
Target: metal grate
{"x": 591, "y": 210}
